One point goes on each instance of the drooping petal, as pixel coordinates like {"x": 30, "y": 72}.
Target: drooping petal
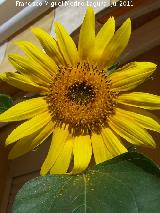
{"x": 43, "y": 134}
{"x": 30, "y": 68}
{"x": 28, "y": 127}
{"x": 49, "y": 44}
{"x": 117, "y": 45}
{"x": 87, "y": 35}
{"x": 63, "y": 161}
{"x": 144, "y": 118}
{"x": 57, "y": 145}
{"x": 130, "y": 130}
{"x": 24, "y": 110}
{"x": 103, "y": 37}
{"x": 140, "y": 99}
{"x": 100, "y": 150}
{"x": 22, "y": 82}
{"x": 112, "y": 142}
{"x": 30, "y": 142}
{"x": 39, "y": 56}
{"x": 82, "y": 151}
{"x": 66, "y": 45}
{"x": 22, "y": 146}
{"x": 131, "y": 75}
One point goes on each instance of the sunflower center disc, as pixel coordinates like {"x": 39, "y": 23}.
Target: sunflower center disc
{"x": 81, "y": 93}
{"x": 81, "y": 98}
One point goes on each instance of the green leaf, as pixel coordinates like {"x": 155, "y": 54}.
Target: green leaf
{"x": 5, "y": 102}
{"x": 129, "y": 183}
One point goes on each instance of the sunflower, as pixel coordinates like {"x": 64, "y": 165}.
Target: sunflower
{"x": 86, "y": 109}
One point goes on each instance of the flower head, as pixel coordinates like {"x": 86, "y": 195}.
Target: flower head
{"x": 85, "y": 109}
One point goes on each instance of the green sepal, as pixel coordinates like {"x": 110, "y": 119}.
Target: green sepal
{"x": 5, "y": 102}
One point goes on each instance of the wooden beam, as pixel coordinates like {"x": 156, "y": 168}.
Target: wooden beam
{"x": 142, "y": 39}
{"x": 140, "y": 8}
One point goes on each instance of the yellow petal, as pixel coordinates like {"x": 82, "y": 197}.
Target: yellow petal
{"x": 43, "y": 134}
{"x": 30, "y": 68}
{"x": 144, "y": 118}
{"x": 140, "y": 99}
{"x": 100, "y": 151}
{"x": 117, "y": 44}
{"x": 131, "y": 75}
{"x": 82, "y": 151}
{"x": 39, "y": 56}
{"x": 87, "y": 35}
{"x": 30, "y": 142}
{"x": 49, "y": 45}
{"x": 29, "y": 127}
{"x": 66, "y": 45}
{"x": 22, "y": 146}
{"x": 103, "y": 38}
{"x": 24, "y": 110}
{"x": 112, "y": 142}
{"x": 58, "y": 141}
{"x": 63, "y": 161}
{"x": 21, "y": 82}
{"x": 130, "y": 130}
